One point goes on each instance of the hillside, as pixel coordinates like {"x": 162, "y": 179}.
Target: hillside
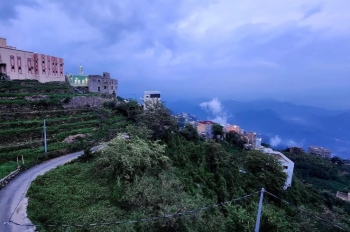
{"x": 293, "y": 125}
{"x": 163, "y": 179}
{"x": 23, "y": 107}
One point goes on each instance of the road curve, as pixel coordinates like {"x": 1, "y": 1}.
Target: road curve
{"x": 12, "y": 193}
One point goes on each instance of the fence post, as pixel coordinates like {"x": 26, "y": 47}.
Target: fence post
{"x": 257, "y": 225}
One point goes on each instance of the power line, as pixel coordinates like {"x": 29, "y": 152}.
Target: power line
{"x": 297, "y": 207}
{"x": 166, "y": 216}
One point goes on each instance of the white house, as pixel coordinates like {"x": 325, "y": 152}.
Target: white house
{"x": 288, "y": 165}
{"x": 150, "y": 97}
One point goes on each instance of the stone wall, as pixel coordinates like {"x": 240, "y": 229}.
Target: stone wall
{"x": 4, "y": 181}
{"x": 83, "y": 101}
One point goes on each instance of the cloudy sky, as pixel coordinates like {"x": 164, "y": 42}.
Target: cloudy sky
{"x": 288, "y": 50}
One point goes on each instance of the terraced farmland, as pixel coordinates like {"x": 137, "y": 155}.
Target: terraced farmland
{"x": 21, "y": 123}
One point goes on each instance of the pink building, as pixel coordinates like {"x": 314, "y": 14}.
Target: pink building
{"x": 22, "y": 65}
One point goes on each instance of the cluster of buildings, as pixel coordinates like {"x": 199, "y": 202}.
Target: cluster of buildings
{"x": 320, "y": 151}
{"x": 94, "y": 83}
{"x": 18, "y": 64}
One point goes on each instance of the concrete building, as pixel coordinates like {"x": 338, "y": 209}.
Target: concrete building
{"x": 102, "y": 84}
{"x": 150, "y": 97}
{"x": 25, "y": 65}
{"x": 288, "y": 165}
{"x": 320, "y": 151}
{"x": 205, "y": 128}
{"x": 251, "y": 136}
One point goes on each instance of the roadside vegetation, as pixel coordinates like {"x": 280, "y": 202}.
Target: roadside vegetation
{"x": 153, "y": 169}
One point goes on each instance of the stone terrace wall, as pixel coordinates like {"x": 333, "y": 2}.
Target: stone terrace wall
{"x": 83, "y": 101}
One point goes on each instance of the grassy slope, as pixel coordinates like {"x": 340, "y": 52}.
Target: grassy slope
{"x": 21, "y": 127}
{"x": 77, "y": 195}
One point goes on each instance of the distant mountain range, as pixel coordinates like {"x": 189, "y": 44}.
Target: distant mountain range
{"x": 280, "y": 123}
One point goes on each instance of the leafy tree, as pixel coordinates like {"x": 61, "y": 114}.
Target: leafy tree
{"x": 129, "y": 108}
{"x": 267, "y": 170}
{"x": 190, "y": 133}
{"x": 236, "y": 139}
{"x": 158, "y": 119}
{"x": 218, "y": 130}
{"x": 123, "y": 159}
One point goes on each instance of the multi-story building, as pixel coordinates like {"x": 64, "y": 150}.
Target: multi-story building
{"x": 251, "y": 136}
{"x": 150, "y": 97}
{"x": 205, "y": 128}
{"x": 24, "y": 65}
{"x": 102, "y": 84}
{"x": 320, "y": 151}
{"x": 288, "y": 165}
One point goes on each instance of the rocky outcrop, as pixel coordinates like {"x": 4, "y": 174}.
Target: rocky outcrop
{"x": 36, "y": 98}
{"x": 73, "y": 138}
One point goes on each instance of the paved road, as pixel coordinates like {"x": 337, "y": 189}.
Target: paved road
{"x": 12, "y": 193}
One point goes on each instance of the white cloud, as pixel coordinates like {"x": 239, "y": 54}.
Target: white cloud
{"x": 214, "y": 106}
{"x": 275, "y": 141}
{"x": 217, "y": 110}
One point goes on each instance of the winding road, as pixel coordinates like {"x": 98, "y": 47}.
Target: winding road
{"x": 13, "y": 194}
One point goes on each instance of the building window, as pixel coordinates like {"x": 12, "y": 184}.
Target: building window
{"x": 155, "y": 96}
{"x": 19, "y": 64}
{"x": 111, "y": 87}
{"x": 98, "y": 89}
{"x": 285, "y": 167}
{"x": 12, "y": 59}
{"x": 105, "y": 87}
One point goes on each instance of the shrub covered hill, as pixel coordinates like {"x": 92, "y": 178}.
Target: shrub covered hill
{"x": 25, "y": 104}
{"x": 155, "y": 177}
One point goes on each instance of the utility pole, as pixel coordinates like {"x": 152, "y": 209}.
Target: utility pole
{"x": 5, "y": 226}
{"x": 257, "y": 225}
{"x": 45, "y": 142}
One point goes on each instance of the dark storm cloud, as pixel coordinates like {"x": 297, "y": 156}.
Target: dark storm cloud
{"x": 221, "y": 48}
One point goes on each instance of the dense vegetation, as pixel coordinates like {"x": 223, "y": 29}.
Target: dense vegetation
{"x": 158, "y": 170}
{"x": 23, "y": 107}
